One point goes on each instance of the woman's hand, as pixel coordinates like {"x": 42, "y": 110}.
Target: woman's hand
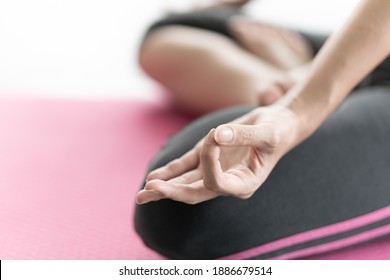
{"x": 234, "y": 159}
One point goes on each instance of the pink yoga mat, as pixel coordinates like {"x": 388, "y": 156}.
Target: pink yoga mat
{"x": 69, "y": 172}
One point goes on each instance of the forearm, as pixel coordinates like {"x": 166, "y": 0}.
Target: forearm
{"x": 347, "y": 57}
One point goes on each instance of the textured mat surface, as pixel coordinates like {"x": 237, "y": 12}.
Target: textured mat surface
{"x": 69, "y": 171}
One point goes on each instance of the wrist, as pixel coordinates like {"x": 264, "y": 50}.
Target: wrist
{"x": 311, "y": 106}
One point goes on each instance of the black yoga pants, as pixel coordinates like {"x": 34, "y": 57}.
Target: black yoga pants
{"x": 330, "y": 192}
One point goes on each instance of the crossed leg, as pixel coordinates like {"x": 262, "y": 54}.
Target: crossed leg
{"x": 215, "y": 59}
{"x": 205, "y": 71}
{"x": 328, "y": 193}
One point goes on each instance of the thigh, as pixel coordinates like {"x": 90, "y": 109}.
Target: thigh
{"x": 217, "y": 20}
{"x": 330, "y": 192}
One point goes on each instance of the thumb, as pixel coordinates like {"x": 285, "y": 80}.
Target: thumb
{"x": 265, "y": 136}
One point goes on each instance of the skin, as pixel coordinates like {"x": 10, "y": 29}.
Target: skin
{"x": 236, "y": 158}
{"x": 211, "y": 4}
{"x": 278, "y": 46}
{"x": 199, "y": 77}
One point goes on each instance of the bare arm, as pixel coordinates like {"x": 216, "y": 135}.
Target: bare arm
{"x": 347, "y": 57}
{"x": 236, "y": 158}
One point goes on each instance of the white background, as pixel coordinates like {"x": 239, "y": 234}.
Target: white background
{"x": 87, "y": 48}
{"x": 281, "y": 270}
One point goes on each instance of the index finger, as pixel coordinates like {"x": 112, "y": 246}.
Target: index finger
{"x": 177, "y": 167}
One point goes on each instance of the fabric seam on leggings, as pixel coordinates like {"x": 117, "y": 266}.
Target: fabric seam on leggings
{"x": 315, "y": 234}
{"x": 323, "y": 241}
{"x": 337, "y": 245}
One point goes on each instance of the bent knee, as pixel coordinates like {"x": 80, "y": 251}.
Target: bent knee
{"x": 180, "y": 231}
{"x": 169, "y": 234}
{"x": 173, "y": 50}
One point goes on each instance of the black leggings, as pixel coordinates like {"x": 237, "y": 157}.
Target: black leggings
{"x": 330, "y": 192}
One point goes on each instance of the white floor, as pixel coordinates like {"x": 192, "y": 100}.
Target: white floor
{"x": 87, "y": 48}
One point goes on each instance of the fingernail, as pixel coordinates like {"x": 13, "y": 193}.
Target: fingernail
{"x": 152, "y": 196}
{"x": 140, "y": 202}
{"x": 148, "y": 177}
{"x": 224, "y": 135}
